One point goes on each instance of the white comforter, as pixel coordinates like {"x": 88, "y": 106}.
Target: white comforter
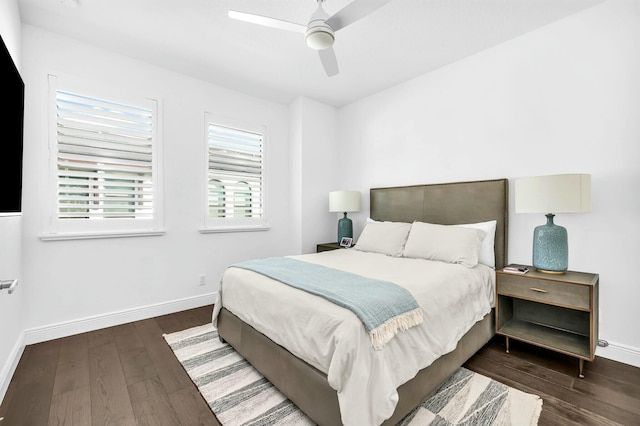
{"x": 333, "y": 339}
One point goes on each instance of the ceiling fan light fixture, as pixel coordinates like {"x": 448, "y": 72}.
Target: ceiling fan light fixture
{"x": 319, "y": 32}
{"x": 319, "y": 38}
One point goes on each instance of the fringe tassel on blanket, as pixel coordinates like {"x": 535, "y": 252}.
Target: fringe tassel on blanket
{"x": 387, "y": 330}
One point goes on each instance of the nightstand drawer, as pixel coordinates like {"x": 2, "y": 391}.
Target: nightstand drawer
{"x": 545, "y": 291}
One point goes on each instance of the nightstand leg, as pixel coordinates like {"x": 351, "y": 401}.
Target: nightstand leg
{"x": 507, "y": 345}
{"x": 581, "y": 368}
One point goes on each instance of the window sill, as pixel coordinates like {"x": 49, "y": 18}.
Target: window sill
{"x": 219, "y": 229}
{"x": 99, "y": 235}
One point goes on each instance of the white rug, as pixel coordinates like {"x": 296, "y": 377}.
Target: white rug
{"x": 239, "y": 395}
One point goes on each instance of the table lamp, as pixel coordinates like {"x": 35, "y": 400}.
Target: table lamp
{"x": 344, "y": 201}
{"x": 567, "y": 193}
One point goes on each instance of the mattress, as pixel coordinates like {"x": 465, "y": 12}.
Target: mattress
{"x": 333, "y": 340}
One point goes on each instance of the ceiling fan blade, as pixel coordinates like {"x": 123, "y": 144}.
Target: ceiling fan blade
{"x": 268, "y": 22}
{"x": 353, "y": 11}
{"x": 329, "y": 61}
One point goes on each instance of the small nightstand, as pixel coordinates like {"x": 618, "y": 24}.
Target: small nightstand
{"x": 553, "y": 311}
{"x": 327, "y": 247}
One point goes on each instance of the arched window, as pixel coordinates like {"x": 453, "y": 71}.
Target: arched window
{"x": 235, "y": 175}
{"x": 216, "y": 200}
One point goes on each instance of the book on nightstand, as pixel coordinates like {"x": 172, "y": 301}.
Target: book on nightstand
{"x": 516, "y": 269}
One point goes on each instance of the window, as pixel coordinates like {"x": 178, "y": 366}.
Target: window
{"x": 104, "y": 164}
{"x": 235, "y": 176}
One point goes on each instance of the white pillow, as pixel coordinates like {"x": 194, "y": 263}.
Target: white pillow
{"x": 446, "y": 243}
{"x": 384, "y": 237}
{"x": 487, "y": 251}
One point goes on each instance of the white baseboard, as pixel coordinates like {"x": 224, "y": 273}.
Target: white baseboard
{"x": 621, "y": 353}
{"x": 82, "y": 325}
{"x": 10, "y": 366}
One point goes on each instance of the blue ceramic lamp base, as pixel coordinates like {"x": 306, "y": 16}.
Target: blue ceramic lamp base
{"x": 345, "y": 228}
{"x": 550, "y": 247}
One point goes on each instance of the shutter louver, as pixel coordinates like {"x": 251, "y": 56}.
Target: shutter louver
{"x": 104, "y": 158}
{"x": 235, "y": 173}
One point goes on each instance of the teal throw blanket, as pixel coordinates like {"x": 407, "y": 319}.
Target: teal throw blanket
{"x": 383, "y": 307}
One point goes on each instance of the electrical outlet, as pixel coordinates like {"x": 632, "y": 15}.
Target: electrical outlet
{"x": 203, "y": 279}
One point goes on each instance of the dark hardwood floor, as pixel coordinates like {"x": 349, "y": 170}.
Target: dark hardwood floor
{"x": 127, "y": 375}
{"x": 608, "y": 395}
{"x": 123, "y": 375}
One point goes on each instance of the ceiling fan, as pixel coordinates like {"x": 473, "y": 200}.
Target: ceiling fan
{"x": 319, "y": 32}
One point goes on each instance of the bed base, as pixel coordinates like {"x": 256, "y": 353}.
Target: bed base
{"x": 307, "y": 387}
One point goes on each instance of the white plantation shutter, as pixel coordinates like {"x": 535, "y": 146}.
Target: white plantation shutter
{"x": 235, "y": 175}
{"x": 105, "y": 163}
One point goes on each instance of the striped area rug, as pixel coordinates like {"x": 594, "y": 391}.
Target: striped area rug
{"x": 239, "y": 395}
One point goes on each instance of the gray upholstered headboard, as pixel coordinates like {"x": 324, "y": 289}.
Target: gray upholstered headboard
{"x": 448, "y": 204}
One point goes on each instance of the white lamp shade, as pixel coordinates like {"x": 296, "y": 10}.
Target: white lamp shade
{"x": 568, "y": 193}
{"x": 344, "y": 201}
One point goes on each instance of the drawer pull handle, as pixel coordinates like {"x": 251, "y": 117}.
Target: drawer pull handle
{"x": 539, "y": 290}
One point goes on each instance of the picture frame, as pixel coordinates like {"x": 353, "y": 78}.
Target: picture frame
{"x": 346, "y": 242}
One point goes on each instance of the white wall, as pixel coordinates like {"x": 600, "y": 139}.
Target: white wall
{"x": 76, "y": 285}
{"x": 11, "y": 305}
{"x": 562, "y": 99}
{"x": 316, "y": 165}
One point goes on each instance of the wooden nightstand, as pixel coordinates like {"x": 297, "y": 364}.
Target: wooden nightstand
{"x": 327, "y": 247}
{"x": 557, "y": 312}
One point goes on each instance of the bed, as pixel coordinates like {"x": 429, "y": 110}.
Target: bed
{"x": 306, "y": 373}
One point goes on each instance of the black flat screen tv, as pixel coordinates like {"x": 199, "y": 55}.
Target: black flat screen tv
{"x": 12, "y": 132}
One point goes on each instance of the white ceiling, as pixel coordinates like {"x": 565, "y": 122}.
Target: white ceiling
{"x": 399, "y": 41}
